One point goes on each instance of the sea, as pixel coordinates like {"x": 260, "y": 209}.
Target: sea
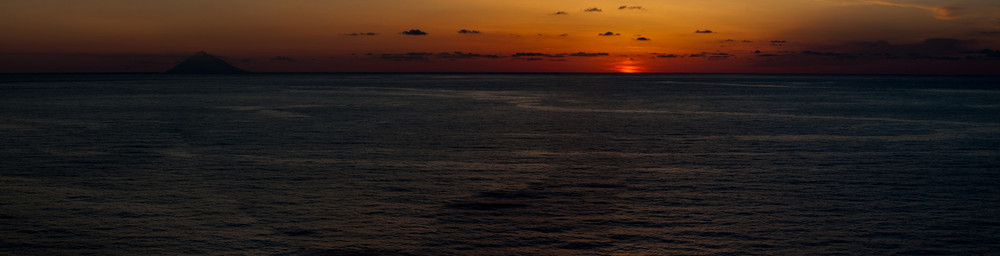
{"x": 499, "y": 164}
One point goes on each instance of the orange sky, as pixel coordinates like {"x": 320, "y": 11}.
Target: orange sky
{"x": 771, "y": 36}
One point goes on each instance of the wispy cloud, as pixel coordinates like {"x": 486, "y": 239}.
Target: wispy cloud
{"x": 939, "y": 12}
{"x": 464, "y": 55}
{"x": 410, "y": 56}
{"x": 466, "y": 31}
{"x": 593, "y": 9}
{"x": 588, "y": 54}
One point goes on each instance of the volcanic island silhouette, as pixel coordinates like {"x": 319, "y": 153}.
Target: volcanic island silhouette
{"x": 204, "y": 63}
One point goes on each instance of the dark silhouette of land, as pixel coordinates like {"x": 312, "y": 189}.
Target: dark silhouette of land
{"x": 204, "y": 63}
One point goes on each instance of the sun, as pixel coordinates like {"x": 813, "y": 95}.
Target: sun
{"x": 627, "y": 66}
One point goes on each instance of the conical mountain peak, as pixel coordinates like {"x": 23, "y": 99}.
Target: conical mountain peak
{"x": 204, "y": 63}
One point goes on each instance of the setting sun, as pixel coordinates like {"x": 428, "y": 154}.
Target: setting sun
{"x": 627, "y": 66}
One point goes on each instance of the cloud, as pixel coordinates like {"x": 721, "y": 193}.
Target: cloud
{"x": 528, "y": 54}
{"x": 609, "y": 33}
{"x": 593, "y": 9}
{"x": 414, "y": 32}
{"x": 930, "y": 46}
{"x": 988, "y": 32}
{"x": 778, "y": 42}
{"x": 711, "y": 55}
{"x": 707, "y": 31}
{"x": 586, "y": 54}
{"x": 536, "y": 54}
{"x": 642, "y": 39}
{"x": 561, "y": 13}
{"x": 939, "y": 12}
{"x": 564, "y": 34}
{"x": 281, "y": 58}
{"x": 464, "y": 31}
{"x": 418, "y": 56}
{"x": 983, "y": 54}
{"x": 667, "y": 56}
{"x": 462, "y": 55}
{"x": 362, "y": 34}
{"x": 624, "y": 7}
{"x": 875, "y": 51}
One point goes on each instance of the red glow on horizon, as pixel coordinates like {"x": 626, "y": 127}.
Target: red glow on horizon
{"x": 627, "y": 66}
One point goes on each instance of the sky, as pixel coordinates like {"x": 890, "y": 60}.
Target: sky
{"x": 705, "y": 36}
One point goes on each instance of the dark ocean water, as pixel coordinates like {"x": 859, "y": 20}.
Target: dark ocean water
{"x": 499, "y": 165}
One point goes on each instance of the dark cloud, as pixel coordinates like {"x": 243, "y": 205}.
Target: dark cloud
{"x": 778, "y": 42}
{"x": 465, "y": 31}
{"x": 419, "y": 56}
{"x": 564, "y": 34}
{"x": 623, "y": 7}
{"x": 534, "y": 59}
{"x": 988, "y": 32}
{"x": 747, "y": 41}
{"x": 711, "y": 55}
{"x": 984, "y": 54}
{"x": 945, "y": 51}
{"x": 932, "y": 46}
{"x": 528, "y": 54}
{"x": 537, "y": 54}
{"x": 462, "y": 55}
{"x": 414, "y": 32}
{"x": 642, "y": 39}
{"x": 609, "y": 33}
{"x": 586, "y": 54}
{"x": 561, "y": 13}
{"x": 281, "y": 58}
{"x": 707, "y": 31}
{"x": 667, "y": 56}
{"x": 593, "y": 9}
{"x": 363, "y": 34}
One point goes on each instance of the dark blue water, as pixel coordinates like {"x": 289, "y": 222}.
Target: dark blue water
{"x": 499, "y": 165}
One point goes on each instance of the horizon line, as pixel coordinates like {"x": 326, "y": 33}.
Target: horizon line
{"x": 495, "y": 73}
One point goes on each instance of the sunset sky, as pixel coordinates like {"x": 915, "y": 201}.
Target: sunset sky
{"x": 727, "y": 36}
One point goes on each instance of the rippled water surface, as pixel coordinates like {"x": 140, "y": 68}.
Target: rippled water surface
{"x": 499, "y": 165}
